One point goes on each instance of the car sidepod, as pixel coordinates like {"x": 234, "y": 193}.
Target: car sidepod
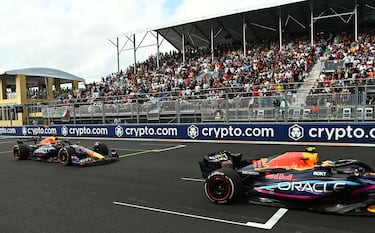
{"x": 83, "y": 156}
{"x": 317, "y": 190}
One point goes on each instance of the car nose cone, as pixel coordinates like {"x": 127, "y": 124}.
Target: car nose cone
{"x": 371, "y": 209}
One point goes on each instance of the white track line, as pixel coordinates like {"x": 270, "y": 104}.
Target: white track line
{"x": 152, "y": 150}
{"x": 268, "y": 225}
{"x": 274, "y": 219}
{"x": 6, "y": 152}
{"x": 169, "y": 148}
{"x": 8, "y": 142}
{"x": 193, "y": 179}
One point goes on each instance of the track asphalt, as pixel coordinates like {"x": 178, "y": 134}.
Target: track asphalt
{"x": 155, "y": 187}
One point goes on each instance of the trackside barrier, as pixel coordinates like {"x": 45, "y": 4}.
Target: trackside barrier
{"x": 345, "y": 133}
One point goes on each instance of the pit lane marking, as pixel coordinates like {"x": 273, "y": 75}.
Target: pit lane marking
{"x": 267, "y": 226}
{"x": 152, "y": 150}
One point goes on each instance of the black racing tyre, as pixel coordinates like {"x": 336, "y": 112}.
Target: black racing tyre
{"x": 101, "y": 148}
{"x": 21, "y": 152}
{"x": 223, "y": 186}
{"x": 115, "y": 154}
{"x": 64, "y": 155}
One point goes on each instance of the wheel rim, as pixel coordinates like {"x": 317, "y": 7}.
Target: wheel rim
{"x": 63, "y": 156}
{"x": 219, "y": 188}
{"x": 16, "y": 153}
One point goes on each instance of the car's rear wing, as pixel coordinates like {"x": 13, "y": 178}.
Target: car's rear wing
{"x": 36, "y": 140}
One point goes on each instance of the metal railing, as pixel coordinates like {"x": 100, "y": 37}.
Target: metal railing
{"x": 354, "y": 105}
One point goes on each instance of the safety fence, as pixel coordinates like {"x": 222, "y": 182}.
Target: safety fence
{"x": 348, "y": 103}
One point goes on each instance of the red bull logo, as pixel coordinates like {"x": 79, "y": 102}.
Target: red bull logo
{"x": 279, "y": 176}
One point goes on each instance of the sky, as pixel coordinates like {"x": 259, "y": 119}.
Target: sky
{"x": 74, "y": 36}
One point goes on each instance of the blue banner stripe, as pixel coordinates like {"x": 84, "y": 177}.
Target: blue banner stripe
{"x": 351, "y": 133}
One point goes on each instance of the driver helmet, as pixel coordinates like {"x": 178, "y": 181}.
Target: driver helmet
{"x": 54, "y": 139}
{"x": 310, "y": 149}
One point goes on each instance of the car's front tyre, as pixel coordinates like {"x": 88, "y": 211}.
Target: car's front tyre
{"x": 21, "y": 152}
{"x": 223, "y": 186}
{"x": 64, "y": 156}
{"x": 101, "y": 148}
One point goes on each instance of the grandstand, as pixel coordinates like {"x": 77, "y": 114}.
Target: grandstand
{"x": 262, "y": 64}
{"x": 23, "y": 92}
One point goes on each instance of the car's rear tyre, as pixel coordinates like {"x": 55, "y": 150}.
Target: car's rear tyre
{"x": 223, "y": 186}
{"x": 65, "y": 156}
{"x": 101, "y": 148}
{"x": 21, "y": 152}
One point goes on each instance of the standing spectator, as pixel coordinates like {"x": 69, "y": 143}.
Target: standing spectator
{"x": 314, "y": 111}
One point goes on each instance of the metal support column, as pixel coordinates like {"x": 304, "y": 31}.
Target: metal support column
{"x": 157, "y": 51}
{"x": 244, "y": 25}
{"x": 312, "y": 23}
{"x": 117, "y": 52}
{"x": 356, "y": 21}
{"x": 118, "y": 55}
{"x": 183, "y": 48}
{"x": 135, "y": 55}
{"x": 280, "y": 32}
{"x": 212, "y": 43}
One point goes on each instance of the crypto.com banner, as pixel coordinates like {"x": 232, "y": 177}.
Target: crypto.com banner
{"x": 360, "y": 133}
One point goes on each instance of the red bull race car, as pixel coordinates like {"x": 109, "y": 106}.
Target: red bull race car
{"x": 291, "y": 180}
{"x": 51, "y": 149}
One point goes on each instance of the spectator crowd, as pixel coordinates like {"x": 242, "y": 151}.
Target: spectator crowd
{"x": 265, "y": 70}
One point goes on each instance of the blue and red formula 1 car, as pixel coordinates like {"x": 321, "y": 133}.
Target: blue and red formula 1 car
{"x": 291, "y": 180}
{"x": 51, "y": 149}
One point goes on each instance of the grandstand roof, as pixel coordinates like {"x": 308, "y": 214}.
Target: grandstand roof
{"x": 45, "y": 72}
{"x": 262, "y": 21}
